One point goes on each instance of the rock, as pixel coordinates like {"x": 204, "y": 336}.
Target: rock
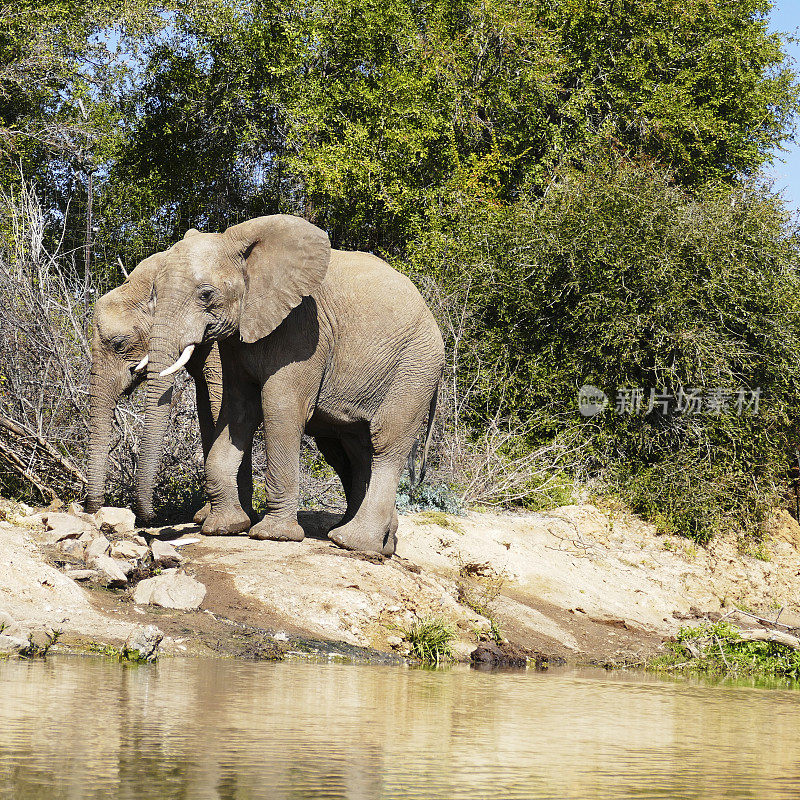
{"x": 42, "y": 638}
{"x": 73, "y": 547}
{"x": 143, "y": 644}
{"x": 139, "y": 539}
{"x": 126, "y": 567}
{"x": 171, "y": 589}
{"x": 96, "y": 548}
{"x": 394, "y": 642}
{"x": 82, "y": 574}
{"x": 110, "y": 571}
{"x": 490, "y": 654}
{"x": 128, "y": 550}
{"x": 61, "y": 526}
{"x": 13, "y": 644}
{"x": 115, "y": 520}
{"x": 76, "y": 510}
{"x": 164, "y": 554}
{"x": 14, "y": 638}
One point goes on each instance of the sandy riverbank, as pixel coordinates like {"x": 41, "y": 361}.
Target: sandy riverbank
{"x": 576, "y": 583}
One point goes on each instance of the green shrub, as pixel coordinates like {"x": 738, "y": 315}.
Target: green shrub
{"x": 427, "y": 497}
{"x": 431, "y": 640}
{"x": 719, "y": 650}
{"x": 617, "y": 279}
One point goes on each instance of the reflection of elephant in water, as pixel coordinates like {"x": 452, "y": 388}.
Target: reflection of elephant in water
{"x": 335, "y": 344}
{"x": 123, "y": 318}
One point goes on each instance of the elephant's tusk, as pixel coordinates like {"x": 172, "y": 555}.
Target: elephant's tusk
{"x": 185, "y": 356}
{"x": 142, "y": 364}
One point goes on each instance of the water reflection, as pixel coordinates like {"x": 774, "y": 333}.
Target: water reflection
{"x": 78, "y": 728}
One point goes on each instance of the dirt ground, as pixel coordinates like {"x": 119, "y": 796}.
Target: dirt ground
{"x": 576, "y": 583}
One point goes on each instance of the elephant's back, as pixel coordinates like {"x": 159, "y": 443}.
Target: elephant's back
{"x": 361, "y": 271}
{"x": 382, "y": 331}
{"x": 364, "y": 291}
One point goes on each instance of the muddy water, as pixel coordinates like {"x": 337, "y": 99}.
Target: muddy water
{"x": 91, "y": 728}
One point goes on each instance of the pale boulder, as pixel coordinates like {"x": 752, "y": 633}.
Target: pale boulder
{"x": 128, "y": 550}
{"x": 61, "y": 526}
{"x": 143, "y": 643}
{"x": 116, "y": 520}
{"x": 164, "y": 554}
{"x": 96, "y": 548}
{"x": 171, "y": 589}
{"x": 112, "y": 572}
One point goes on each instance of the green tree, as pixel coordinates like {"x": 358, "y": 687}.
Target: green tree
{"x": 618, "y": 279}
{"x": 61, "y": 73}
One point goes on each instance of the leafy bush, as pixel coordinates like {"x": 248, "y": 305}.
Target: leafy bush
{"x": 617, "y": 279}
{"x": 427, "y": 497}
{"x": 719, "y": 649}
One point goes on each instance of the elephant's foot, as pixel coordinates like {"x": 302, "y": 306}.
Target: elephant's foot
{"x": 226, "y": 523}
{"x": 278, "y": 529}
{"x": 354, "y": 535}
{"x": 200, "y": 517}
{"x": 202, "y": 513}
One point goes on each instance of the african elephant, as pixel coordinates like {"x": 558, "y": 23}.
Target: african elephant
{"x": 335, "y": 344}
{"x": 123, "y": 318}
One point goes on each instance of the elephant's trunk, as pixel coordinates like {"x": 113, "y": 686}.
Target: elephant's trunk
{"x": 103, "y": 400}
{"x": 159, "y": 399}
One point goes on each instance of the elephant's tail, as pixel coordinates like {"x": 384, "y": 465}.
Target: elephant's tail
{"x": 429, "y": 433}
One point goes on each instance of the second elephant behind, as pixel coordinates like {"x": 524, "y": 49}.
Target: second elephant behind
{"x": 335, "y": 344}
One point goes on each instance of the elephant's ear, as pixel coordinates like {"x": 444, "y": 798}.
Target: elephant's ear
{"x": 142, "y": 279}
{"x": 285, "y": 258}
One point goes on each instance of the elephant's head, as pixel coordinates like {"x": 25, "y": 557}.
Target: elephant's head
{"x": 120, "y": 343}
{"x": 242, "y": 282}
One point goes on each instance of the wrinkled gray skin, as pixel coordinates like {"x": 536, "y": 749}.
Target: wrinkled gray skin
{"x": 123, "y": 319}
{"x": 337, "y": 345}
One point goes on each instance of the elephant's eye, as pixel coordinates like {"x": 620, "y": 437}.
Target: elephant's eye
{"x": 119, "y": 345}
{"x": 206, "y": 294}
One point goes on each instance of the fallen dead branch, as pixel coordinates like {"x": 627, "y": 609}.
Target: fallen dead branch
{"x": 763, "y": 635}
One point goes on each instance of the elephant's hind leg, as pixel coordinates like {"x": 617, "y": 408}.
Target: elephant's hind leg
{"x": 392, "y": 433}
{"x": 373, "y": 528}
{"x": 352, "y": 459}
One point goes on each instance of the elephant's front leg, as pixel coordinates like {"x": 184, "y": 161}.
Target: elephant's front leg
{"x": 283, "y": 430}
{"x": 228, "y": 458}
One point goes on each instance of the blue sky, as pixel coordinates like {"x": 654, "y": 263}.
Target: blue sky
{"x": 785, "y": 17}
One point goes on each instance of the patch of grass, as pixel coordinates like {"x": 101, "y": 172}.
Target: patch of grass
{"x": 38, "y": 644}
{"x": 104, "y": 650}
{"x": 431, "y": 640}
{"x": 118, "y": 654}
{"x": 748, "y": 546}
{"x": 718, "y": 650}
{"x": 442, "y": 519}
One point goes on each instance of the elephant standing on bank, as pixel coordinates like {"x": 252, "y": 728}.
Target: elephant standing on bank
{"x": 334, "y": 344}
{"x": 123, "y": 318}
